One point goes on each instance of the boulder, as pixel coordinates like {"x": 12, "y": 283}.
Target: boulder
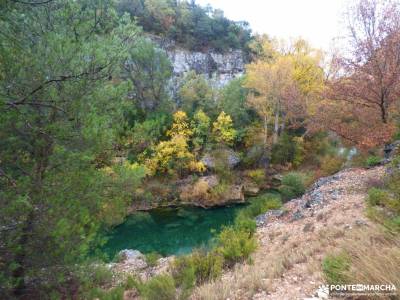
{"x": 129, "y": 254}
{"x": 250, "y": 188}
{"x": 231, "y": 158}
{"x": 277, "y": 178}
{"x": 132, "y": 260}
{"x": 391, "y": 150}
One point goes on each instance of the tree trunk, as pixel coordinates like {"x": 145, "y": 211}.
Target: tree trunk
{"x": 276, "y": 127}
{"x": 265, "y": 132}
{"x": 383, "y": 109}
{"x": 265, "y": 158}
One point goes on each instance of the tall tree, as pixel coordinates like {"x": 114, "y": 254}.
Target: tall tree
{"x": 59, "y": 111}
{"x": 196, "y": 93}
{"x": 366, "y": 87}
{"x": 149, "y": 70}
{"x": 271, "y": 83}
{"x": 284, "y": 84}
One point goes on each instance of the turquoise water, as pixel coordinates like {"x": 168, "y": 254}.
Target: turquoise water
{"x": 169, "y": 231}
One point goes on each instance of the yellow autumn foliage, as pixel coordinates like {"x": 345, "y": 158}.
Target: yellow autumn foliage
{"x": 173, "y": 155}
{"x": 180, "y": 126}
{"x": 223, "y": 130}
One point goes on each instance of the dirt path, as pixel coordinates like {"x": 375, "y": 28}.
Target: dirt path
{"x": 287, "y": 264}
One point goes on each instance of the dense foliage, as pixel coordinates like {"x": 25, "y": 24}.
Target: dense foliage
{"x": 189, "y": 24}
{"x": 59, "y": 119}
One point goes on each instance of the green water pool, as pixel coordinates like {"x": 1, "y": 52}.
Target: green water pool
{"x": 169, "y": 231}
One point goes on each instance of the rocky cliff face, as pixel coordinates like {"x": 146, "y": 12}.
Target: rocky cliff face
{"x": 219, "y": 68}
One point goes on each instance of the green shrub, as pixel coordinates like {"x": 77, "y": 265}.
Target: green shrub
{"x": 253, "y": 156}
{"x": 330, "y": 164}
{"x": 287, "y": 192}
{"x": 235, "y": 245}
{"x": 244, "y": 223}
{"x": 131, "y": 282}
{"x": 101, "y": 275}
{"x": 261, "y": 204}
{"x": 198, "y": 267}
{"x": 377, "y": 196}
{"x": 93, "y": 279}
{"x": 284, "y": 151}
{"x": 207, "y": 266}
{"x": 372, "y": 161}
{"x": 116, "y": 293}
{"x": 299, "y": 151}
{"x": 292, "y": 185}
{"x": 160, "y": 287}
{"x": 183, "y": 272}
{"x": 152, "y": 258}
{"x": 335, "y": 267}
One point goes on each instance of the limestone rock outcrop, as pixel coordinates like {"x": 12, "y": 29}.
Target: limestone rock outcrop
{"x": 207, "y": 191}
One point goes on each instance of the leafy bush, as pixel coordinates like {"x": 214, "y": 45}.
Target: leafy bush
{"x": 261, "y": 204}
{"x": 335, "y": 267}
{"x": 377, "y": 196}
{"x": 235, "y": 245}
{"x": 207, "y": 266}
{"x": 232, "y": 100}
{"x": 257, "y": 175}
{"x": 292, "y": 185}
{"x": 116, "y": 293}
{"x": 197, "y": 268}
{"x": 284, "y": 151}
{"x": 183, "y": 272}
{"x": 244, "y": 223}
{"x": 91, "y": 278}
{"x": 223, "y": 131}
{"x": 152, "y": 258}
{"x": 330, "y": 164}
{"x": 160, "y": 287}
{"x": 372, "y": 161}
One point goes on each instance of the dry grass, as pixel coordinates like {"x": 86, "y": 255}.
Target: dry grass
{"x": 374, "y": 256}
{"x": 244, "y": 282}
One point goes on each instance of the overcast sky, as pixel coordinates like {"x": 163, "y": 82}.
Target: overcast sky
{"x": 318, "y": 21}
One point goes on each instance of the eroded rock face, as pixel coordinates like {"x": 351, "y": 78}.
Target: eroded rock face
{"x": 250, "y": 188}
{"x": 219, "y": 68}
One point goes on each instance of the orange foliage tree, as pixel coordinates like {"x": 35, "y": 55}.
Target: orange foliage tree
{"x": 364, "y": 91}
